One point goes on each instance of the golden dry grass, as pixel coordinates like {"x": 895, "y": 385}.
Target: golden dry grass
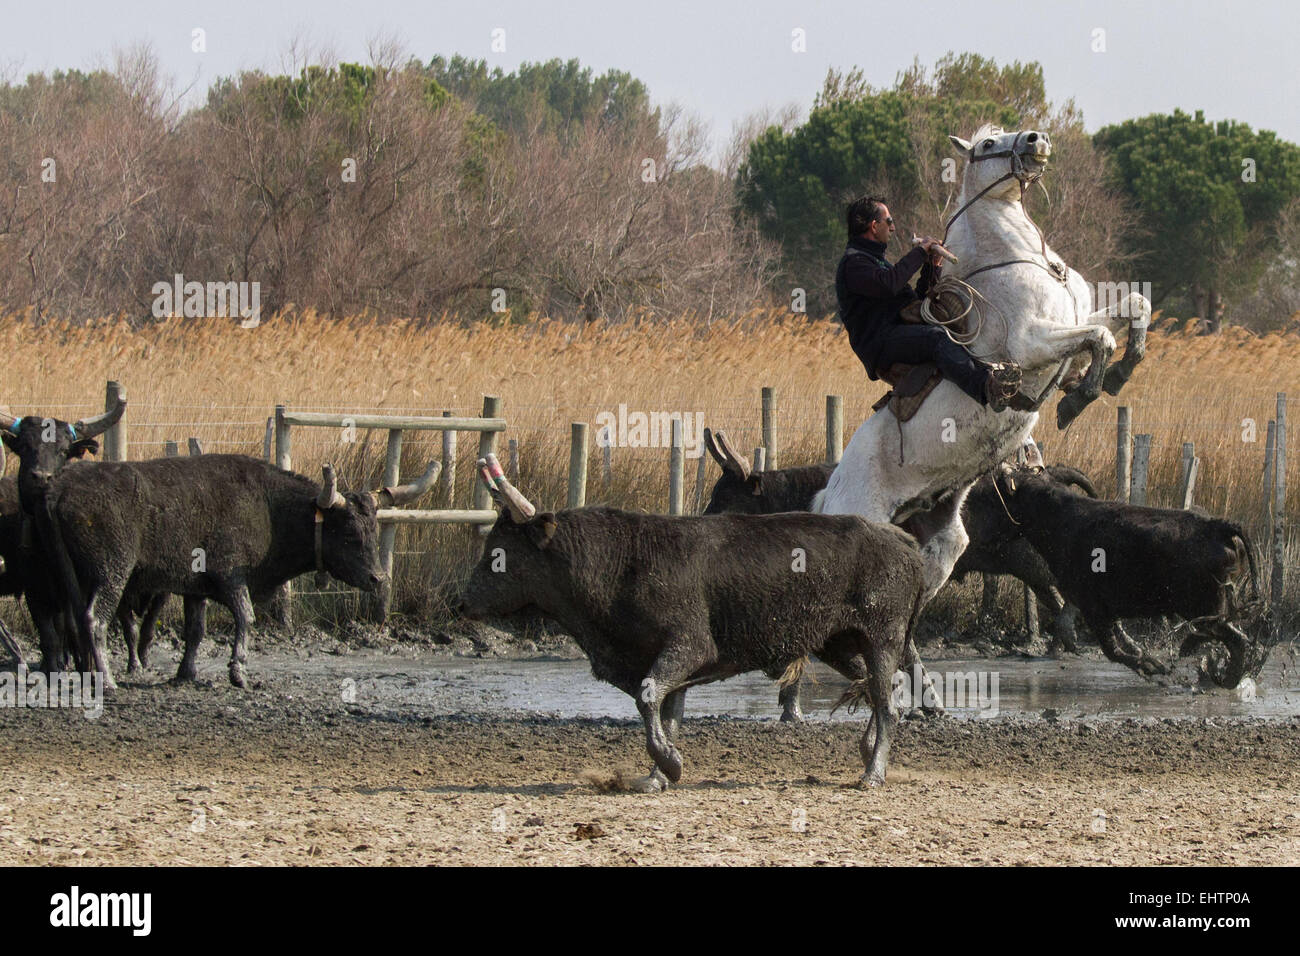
{"x": 217, "y": 382}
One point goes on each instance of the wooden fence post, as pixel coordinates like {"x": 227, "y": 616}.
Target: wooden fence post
{"x": 513, "y": 472}
{"x": 1279, "y": 502}
{"x": 448, "y": 476}
{"x": 769, "y": 426}
{"x": 1031, "y": 615}
{"x": 989, "y": 595}
{"x": 171, "y": 449}
{"x": 267, "y": 440}
{"x": 760, "y": 459}
{"x": 196, "y": 448}
{"x": 1191, "y": 466}
{"x": 1268, "y": 475}
{"x": 577, "y": 464}
{"x": 834, "y": 429}
{"x": 676, "y": 469}
{"x": 1123, "y": 454}
{"x": 606, "y": 442}
{"x": 1141, "y": 468}
{"x": 115, "y": 445}
{"x": 378, "y": 605}
{"x": 280, "y": 605}
{"x": 700, "y": 473}
{"x": 487, "y": 443}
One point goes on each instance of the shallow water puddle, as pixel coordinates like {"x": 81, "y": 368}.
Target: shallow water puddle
{"x": 974, "y": 688}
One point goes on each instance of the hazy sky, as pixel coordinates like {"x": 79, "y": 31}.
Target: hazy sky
{"x": 723, "y": 60}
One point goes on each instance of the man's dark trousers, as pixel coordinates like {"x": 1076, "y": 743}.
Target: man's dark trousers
{"x": 914, "y": 344}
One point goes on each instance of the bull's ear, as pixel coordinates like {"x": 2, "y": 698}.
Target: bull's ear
{"x": 755, "y": 483}
{"x": 541, "y": 530}
{"x": 82, "y": 447}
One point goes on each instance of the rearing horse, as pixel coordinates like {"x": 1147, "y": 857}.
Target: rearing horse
{"x": 1031, "y": 309}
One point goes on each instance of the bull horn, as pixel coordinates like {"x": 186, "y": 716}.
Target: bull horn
{"x": 329, "y": 496}
{"x": 521, "y": 509}
{"x": 734, "y": 463}
{"x": 90, "y": 427}
{"x": 711, "y": 444}
{"x": 392, "y": 497}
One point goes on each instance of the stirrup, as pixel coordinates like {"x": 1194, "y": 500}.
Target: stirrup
{"x": 1002, "y": 385}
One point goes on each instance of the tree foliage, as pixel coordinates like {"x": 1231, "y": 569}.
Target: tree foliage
{"x": 1212, "y": 195}
{"x": 859, "y": 140}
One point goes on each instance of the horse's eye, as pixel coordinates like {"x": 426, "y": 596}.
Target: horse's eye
{"x": 988, "y": 144}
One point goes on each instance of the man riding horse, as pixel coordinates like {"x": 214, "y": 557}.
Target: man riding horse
{"x": 874, "y": 298}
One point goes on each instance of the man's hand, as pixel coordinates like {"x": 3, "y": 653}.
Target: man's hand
{"x": 928, "y": 243}
{"x": 937, "y": 252}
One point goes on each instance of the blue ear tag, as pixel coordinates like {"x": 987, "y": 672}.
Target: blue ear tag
{"x": 74, "y": 432}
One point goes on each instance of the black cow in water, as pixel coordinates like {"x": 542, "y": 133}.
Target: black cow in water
{"x": 226, "y": 527}
{"x": 1117, "y": 560}
{"x": 660, "y": 604}
{"x": 996, "y": 545}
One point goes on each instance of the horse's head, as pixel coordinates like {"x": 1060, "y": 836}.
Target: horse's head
{"x": 993, "y": 153}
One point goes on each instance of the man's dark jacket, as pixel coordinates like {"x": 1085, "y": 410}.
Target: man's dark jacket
{"x": 871, "y": 293}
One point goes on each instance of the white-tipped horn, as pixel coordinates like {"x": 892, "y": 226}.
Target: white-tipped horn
{"x": 400, "y": 495}
{"x": 521, "y": 509}
{"x": 735, "y": 463}
{"x": 329, "y": 496}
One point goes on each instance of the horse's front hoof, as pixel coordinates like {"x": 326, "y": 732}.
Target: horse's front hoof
{"x": 237, "y": 676}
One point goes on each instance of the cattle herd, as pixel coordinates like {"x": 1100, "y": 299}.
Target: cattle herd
{"x": 658, "y": 604}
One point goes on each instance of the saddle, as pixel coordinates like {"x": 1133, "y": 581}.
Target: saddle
{"x": 912, "y": 383}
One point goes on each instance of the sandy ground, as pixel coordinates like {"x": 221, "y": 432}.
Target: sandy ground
{"x": 287, "y": 772}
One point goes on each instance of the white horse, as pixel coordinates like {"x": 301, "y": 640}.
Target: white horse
{"x": 1035, "y": 312}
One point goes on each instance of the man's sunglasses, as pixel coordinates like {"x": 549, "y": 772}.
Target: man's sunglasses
{"x": 889, "y": 220}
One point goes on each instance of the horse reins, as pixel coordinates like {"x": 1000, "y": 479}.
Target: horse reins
{"x": 1026, "y": 179}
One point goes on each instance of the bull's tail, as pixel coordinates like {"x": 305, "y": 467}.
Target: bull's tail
{"x": 1073, "y": 476}
{"x": 794, "y": 672}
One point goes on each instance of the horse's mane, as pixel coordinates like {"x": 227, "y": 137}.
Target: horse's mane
{"x": 985, "y": 131}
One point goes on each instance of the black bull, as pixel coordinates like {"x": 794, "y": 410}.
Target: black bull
{"x": 660, "y": 604}
{"x": 226, "y": 527}
{"x": 1116, "y": 560}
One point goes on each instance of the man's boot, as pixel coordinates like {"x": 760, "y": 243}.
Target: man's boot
{"x": 1002, "y": 385}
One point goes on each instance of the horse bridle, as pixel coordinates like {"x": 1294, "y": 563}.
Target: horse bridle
{"x": 1026, "y": 178}
{"x": 1057, "y": 270}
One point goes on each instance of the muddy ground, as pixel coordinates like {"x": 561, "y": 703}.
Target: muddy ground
{"x": 290, "y": 772}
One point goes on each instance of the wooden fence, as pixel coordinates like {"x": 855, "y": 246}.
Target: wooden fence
{"x": 1132, "y": 466}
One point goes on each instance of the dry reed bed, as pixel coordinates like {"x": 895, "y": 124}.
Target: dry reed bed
{"x": 217, "y": 382}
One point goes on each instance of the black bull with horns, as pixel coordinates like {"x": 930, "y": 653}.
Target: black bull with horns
{"x": 660, "y": 604}
{"x": 224, "y": 527}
